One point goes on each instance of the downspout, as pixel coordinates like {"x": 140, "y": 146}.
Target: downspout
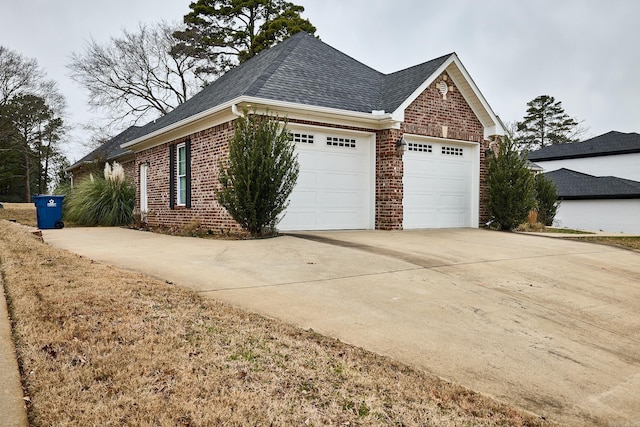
{"x": 235, "y": 111}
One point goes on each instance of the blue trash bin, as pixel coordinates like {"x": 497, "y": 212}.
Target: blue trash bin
{"x": 49, "y": 211}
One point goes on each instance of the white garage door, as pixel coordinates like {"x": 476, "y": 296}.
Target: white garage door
{"x": 334, "y": 188}
{"x": 438, "y": 179}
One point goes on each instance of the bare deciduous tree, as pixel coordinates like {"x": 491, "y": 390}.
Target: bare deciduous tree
{"x": 19, "y": 75}
{"x": 31, "y": 126}
{"x": 136, "y": 76}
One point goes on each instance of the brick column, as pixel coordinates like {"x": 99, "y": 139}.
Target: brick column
{"x": 389, "y": 189}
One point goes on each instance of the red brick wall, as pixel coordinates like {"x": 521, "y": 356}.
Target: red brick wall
{"x": 429, "y": 112}
{"x": 484, "y": 185}
{"x": 389, "y": 187}
{"x": 207, "y": 148}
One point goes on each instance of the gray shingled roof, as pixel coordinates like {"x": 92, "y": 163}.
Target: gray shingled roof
{"x": 111, "y": 149}
{"x": 574, "y": 185}
{"x": 400, "y": 85}
{"x": 604, "y": 145}
{"x": 304, "y": 70}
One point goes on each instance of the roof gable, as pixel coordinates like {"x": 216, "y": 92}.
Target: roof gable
{"x": 576, "y": 185}
{"x": 610, "y": 143}
{"x": 399, "y": 86}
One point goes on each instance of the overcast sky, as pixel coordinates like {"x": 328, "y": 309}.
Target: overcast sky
{"x": 583, "y": 52}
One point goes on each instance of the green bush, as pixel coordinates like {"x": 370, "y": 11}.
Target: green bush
{"x": 547, "y": 198}
{"x": 107, "y": 201}
{"x": 511, "y": 187}
{"x": 259, "y": 174}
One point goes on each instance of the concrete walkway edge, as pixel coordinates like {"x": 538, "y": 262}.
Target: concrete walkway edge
{"x": 12, "y": 407}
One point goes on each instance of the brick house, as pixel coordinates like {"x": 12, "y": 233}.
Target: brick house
{"x": 401, "y": 150}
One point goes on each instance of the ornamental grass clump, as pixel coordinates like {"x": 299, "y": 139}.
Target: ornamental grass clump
{"x": 104, "y": 202}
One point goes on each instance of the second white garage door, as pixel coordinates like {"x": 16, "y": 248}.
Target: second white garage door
{"x": 334, "y": 188}
{"x": 438, "y": 184}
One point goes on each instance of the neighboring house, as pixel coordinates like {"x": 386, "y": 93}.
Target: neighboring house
{"x": 110, "y": 151}
{"x": 605, "y": 203}
{"x": 401, "y": 150}
{"x": 610, "y": 154}
{"x": 597, "y": 180}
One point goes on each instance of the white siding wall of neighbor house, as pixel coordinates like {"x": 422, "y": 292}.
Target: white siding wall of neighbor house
{"x": 616, "y": 215}
{"x": 335, "y": 188}
{"x": 625, "y": 166}
{"x": 441, "y": 184}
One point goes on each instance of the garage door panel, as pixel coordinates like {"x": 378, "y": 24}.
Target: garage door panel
{"x": 454, "y": 183}
{"x": 341, "y": 199}
{"x": 334, "y": 186}
{"x": 450, "y": 219}
{"x": 343, "y": 181}
{"x": 416, "y": 216}
{"x": 303, "y": 199}
{"x": 438, "y": 186}
{"x": 453, "y": 202}
{"x": 307, "y": 179}
{"x": 343, "y": 161}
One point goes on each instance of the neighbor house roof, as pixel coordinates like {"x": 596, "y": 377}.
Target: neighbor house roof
{"x": 111, "y": 149}
{"x": 577, "y": 185}
{"x": 607, "y": 144}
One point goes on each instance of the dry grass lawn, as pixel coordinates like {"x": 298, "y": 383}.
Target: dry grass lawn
{"x": 24, "y": 213}
{"x": 622, "y": 242}
{"x": 100, "y": 346}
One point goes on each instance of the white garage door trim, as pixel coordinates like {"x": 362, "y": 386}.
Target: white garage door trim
{"x": 433, "y": 197}
{"x": 336, "y": 185}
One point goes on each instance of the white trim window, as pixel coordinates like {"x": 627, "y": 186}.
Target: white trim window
{"x": 144, "y": 195}
{"x": 181, "y": 174}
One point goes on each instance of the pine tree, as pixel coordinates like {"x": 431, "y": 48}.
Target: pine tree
{"x": 228, "y": 32}
{"x": 546, "y": 123}
{"x": 511, "y": 187}
{"x": 260, "y": 173}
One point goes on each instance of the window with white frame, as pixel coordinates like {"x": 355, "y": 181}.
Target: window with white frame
{"x": 341, "y": 142}
{"x": 304, "y": 138}
{"x": 181, "y": 174}
{"x": 422, "y": 148}
{"x": 452, "y": 151}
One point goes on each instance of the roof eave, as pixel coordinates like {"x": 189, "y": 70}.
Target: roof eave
{"x": 600, "y": 197}
{"x": 290, "y": 109}
{"x": 586, "y": 155}
{"x": 159, "y": 133}
{"x": 373, "y": 120}
{"x": 82, "y": 163}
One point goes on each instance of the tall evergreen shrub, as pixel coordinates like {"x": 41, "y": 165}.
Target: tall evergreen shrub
{"x": 259, "y": 174}
{"x": 547, "y": 199}
{"x": 511, "y": 187}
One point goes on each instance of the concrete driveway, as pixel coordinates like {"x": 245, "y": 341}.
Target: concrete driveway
{"x": 550, "y": 325}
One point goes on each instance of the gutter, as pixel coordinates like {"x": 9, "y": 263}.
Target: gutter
{"x": 377, "y": 118}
